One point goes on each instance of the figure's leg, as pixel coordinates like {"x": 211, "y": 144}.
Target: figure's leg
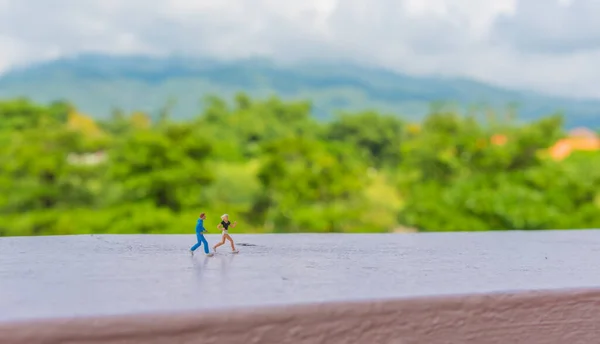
{"x": 228, "y": 237}
{"x": 205, "y": 245}
{"x": 195, "y": 247}
{"x": 221, "y": 243}
{"x": 198, "y": 243}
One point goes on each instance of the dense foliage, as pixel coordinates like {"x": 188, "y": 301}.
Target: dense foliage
{"x": 274, "y": 168}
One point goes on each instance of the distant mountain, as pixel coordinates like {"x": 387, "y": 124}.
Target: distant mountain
{"x": 97, "y": 84}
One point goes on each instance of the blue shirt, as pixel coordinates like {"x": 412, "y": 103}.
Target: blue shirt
{"x": 200, "y": 226}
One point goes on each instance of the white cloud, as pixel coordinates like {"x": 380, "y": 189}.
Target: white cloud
{"x": 551, "y": 26}
{"x": 547, "y": 45}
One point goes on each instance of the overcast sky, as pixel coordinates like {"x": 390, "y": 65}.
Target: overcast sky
{"x": 545, "y": 45}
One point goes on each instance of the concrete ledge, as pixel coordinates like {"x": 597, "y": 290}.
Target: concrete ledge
{"x": 501, "y": 287}
{"x": 531, "y": 317}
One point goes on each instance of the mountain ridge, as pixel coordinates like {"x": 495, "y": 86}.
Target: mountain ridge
{"x": 99, "y": 83}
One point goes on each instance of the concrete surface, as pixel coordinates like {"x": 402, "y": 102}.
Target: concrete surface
{"x": 54, "y": 277}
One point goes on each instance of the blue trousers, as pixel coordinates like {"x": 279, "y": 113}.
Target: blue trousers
{"x": 201, "y": 240}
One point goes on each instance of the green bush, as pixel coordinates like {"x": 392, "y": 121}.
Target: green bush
{"x": 274, "y": 168}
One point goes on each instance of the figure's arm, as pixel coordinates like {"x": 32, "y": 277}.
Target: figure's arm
{"x": 219, "y": 226}
{"x": 234, "y": 224}
{"x": 200, "y": 226}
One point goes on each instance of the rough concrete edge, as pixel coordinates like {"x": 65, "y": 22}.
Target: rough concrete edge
{"x": 566, "y": 316}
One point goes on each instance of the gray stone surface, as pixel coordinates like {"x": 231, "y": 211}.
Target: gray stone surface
{"x": 44, "y": 277}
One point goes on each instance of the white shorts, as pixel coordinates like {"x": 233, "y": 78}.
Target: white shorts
{"x": 225, "y": 232}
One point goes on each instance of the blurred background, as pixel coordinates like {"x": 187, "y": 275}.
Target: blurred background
{"x": 315, "y": 116}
